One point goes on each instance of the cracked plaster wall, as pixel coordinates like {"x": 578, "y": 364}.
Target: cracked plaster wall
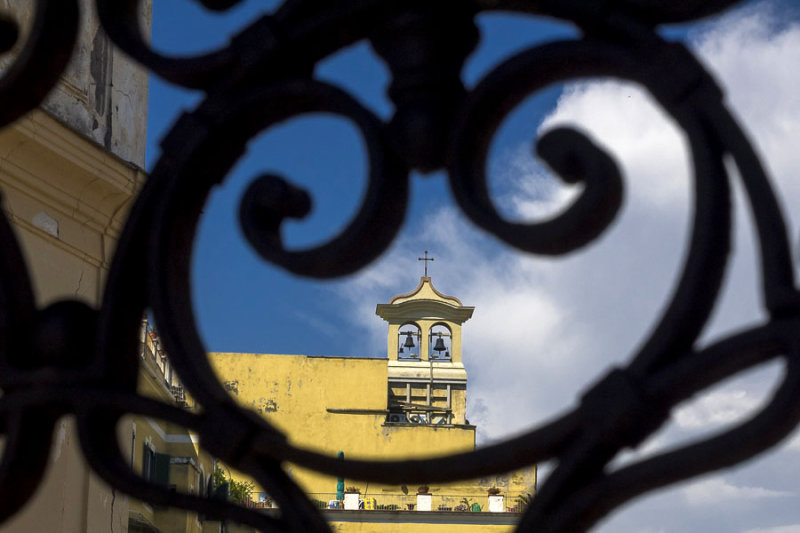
{"x": 66, "y": 197}
{"x": 103, "y": 94}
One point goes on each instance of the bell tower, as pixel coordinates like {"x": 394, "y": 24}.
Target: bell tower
{"x": 427, "y": 379}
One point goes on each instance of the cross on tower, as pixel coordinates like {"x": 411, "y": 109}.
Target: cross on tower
{"x": 426, "y": 259}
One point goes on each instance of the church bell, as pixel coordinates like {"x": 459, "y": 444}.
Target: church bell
{"x": 439, "y": 346}
{"x": 409, "y": 340}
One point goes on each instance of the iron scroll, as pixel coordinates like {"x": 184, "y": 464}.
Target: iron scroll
{"x": 265, "y": 76}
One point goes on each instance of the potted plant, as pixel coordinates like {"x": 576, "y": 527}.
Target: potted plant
{"x": 523, "y": 500}
{"x": 495, "y": 500}
{"x": 424, "y": 498}
{"x": 469, "y": 506}
{"x": 352, "y": 495}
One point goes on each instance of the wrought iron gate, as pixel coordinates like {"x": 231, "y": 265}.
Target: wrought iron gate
{"x": 264, "y": 77}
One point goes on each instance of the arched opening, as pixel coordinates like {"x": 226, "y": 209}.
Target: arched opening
{"x": 408, "y": 341}
{"x": 440, "y": 342}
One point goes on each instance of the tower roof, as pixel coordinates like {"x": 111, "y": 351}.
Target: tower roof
{"x": 425, "y": 290}
{"x": 424, "y": 301}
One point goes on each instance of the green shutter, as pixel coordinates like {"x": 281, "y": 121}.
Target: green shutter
{"x": 162, "y": 469}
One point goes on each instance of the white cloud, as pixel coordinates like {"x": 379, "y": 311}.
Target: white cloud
{"x": 562, "y": 321}
{"x": 625, "y": 119}
{"x": 713, "y": 491}
{"x": 716, "y": 408}
{"x": 531, "y": 194}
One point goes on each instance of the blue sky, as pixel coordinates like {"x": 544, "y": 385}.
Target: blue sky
{"x": 271, "y": 312}
{"x": 543, "y": 328}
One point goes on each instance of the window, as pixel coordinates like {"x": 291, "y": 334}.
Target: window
{"x": 148, "y": 462}
{"x": 155, "y": 466}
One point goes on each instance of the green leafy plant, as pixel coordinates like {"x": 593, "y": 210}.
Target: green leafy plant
{"x": 240, "y": 492}
{"x": 423, "y": 489}
{"x": 219, "y": 477}
{"x": 524, "y": 499}
{"x": 352, "y": 490}
{"x": 494, "y": 491}
{"x": 470, "y": 505}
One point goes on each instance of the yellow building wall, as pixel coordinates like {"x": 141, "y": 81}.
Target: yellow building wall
{"x": 188, "y": 462}
{"x": 66, "y": 199}
{"x": 298, "y": 393}
{"x": 67, "y": 176}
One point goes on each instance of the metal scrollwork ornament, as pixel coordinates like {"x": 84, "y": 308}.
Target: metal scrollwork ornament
{"x": 265, "y": 76}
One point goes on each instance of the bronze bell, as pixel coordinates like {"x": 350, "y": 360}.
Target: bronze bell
{"x": 439, "y": 346}
{"x": 409, "y": 340}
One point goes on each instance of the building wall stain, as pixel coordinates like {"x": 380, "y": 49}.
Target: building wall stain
{"x": 98, "y": 68}
{"x": 264, "y": 405}
{"x": 232, "y": 386}
{"x": 297, "y": 393}
{"x": 103, "y": 93}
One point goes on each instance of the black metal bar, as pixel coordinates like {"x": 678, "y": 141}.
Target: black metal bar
{"x": 265, "y": 76}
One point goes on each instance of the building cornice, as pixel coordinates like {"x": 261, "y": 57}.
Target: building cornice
{"x": 424, "y": 308}
{"x": 68, "y": 172}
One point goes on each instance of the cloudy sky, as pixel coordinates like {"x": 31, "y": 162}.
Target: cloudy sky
{"x": 543, "y": 328}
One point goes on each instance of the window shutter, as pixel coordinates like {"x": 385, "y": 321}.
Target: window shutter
{"x": 162, "y": 469}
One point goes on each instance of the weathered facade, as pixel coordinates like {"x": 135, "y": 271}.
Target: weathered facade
{"x": 164, "y": 453}
{"x": 68, "y": 175}
{"x": 103, "y": 94}
{"x": 410, "y": 404}
{"x": 65, "y": 197}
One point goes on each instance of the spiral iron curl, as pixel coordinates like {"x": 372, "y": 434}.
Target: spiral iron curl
{"x": 263, "y": 77}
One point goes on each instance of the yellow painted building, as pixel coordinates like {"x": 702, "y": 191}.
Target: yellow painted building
{"x": 68, "y": 175}
{"x": 164, "y": 453}
{"x": 412, "y": 403}
{"x": 66, "y": 198}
